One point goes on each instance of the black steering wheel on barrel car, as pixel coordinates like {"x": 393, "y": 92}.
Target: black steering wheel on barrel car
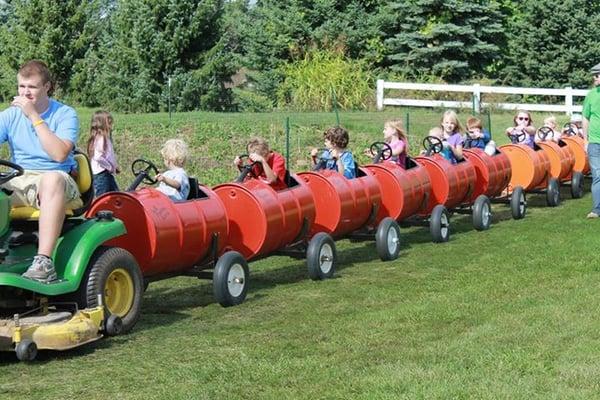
{"x": 571, "y": 129}
{"x": 246, "y": 168}
{"x": 142, "y": 170}
{"x": 380, "y": 151}
{"x": 470, "y": 142}
{"x": 320, "y": 161}
{"x": 6, "y": 176}
{"x": 543, "y": 133}
{"x": 516, "y": 137}
{"x": 433, "y": 145}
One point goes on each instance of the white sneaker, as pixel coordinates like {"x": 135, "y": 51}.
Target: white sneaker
{"x": 592, "y": 215}
{"x": 41, "y": 269}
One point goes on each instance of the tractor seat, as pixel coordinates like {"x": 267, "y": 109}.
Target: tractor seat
{"x": 84, "y": 183}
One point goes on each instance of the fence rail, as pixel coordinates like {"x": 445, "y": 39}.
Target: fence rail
{"x": 477, "y": 90}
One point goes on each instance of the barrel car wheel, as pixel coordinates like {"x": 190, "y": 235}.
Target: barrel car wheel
{"x": 577, "y": 185}
{"x": 387, "y": 239}
{"x": 553, "y": 193}
{"x": 518, "y": 203}
{"x": 230, "y": 279}
{"x": 439, "y": 224}
{"x": 321, "y": 257}
{"x": 482, "y": 213}
{"x": 114, "y": 274}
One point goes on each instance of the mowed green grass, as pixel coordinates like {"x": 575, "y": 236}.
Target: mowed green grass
{"x": 507, "y": 313}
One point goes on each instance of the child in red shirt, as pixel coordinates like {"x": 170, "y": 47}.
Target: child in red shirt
{"x": 271, "y": 167}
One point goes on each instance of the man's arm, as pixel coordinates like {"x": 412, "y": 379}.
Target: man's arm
{"x": 58, "y": 149}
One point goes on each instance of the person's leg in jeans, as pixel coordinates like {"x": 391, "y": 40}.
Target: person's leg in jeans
{"x": 594, "y": 159}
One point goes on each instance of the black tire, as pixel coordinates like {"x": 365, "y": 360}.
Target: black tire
{"x": 114, "y": 274}
{"x": 230, "y": 279}
{"x": 113, "y": 325}
{"x": 439, "y": 224}
{"x": 518, "y": 203}
{"x": 387, "y": 239}
{"x": 482, "y": 213}
{"x": 26, "y": 350}
{"x": 577, "y": 185}
{"x": 321, "y": 257}
{"x": 553, "y": 193}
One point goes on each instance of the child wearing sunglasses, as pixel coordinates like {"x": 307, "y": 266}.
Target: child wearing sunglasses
{"x": 522, "y": 130}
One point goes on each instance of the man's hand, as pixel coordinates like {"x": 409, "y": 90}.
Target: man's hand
{"x": 25, "y": 105}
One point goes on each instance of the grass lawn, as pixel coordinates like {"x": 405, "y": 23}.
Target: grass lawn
{"x": 507, "y": 313}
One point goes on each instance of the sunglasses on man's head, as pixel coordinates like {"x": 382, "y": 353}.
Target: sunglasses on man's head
{"x": 523, "y": 119}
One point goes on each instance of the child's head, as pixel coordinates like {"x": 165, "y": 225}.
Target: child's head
{"x": 394, "y": 127}
{"x": 338, "y": 137}
{"x": 259, "y": 146}
{"x": 474, "y": 124}
{"x": 436, "y": 131}
{"x": 550, "y": 122}
{"x": 102, "y": 123}
{"x": 450, "y": 123}
{"x": 174, "y": 153}
{"x": 522, "y": 118}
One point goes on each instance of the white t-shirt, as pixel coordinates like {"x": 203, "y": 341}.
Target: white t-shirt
{"x": 180, "y": 176}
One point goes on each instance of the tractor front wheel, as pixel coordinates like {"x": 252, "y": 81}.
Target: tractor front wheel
{"x": 114, "y": 274}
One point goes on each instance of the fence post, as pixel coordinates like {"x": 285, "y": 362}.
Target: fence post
{"x": 335, "y": 106}
{"x": 407, "y": 124}
{"x": 569, "y": 100}
{"x": 287, "y": 142}
{"x": 476, "y": 98}
{"x": 379, "y": 94}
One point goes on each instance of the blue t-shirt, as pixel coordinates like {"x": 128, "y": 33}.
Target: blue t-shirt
{"x": 482, "y": 142}
{"x": 181, "y": 177}
{"x": 25, "y": 147}
{"x": 346, "y": 159}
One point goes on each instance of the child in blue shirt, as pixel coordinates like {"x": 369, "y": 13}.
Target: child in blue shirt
{"x": 336, "y": 157}
{"x": 480, "y": 137}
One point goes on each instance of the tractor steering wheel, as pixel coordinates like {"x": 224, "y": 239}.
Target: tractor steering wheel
{"x": 433, "y": 144}
{"x": 517, "y": 137}
{"x": 6, "y": 176}
{"x": 543, "y": 132}
{"x": 380, "y": 151}
{"x": 246, "y": 168}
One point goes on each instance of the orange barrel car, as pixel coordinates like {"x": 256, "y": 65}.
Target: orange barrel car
{"x": 263, "y": 220}
{"x": 453, "y": 185}
{"x": 531, "y": 169}
{"x": 168, "y": 238}
{"x": 577, "y": 144}
{"x": 405, "y": 192}
{"x": 493, "y": 177}
{"x": 350, "y": 207}
{"x": 562, "y": 161}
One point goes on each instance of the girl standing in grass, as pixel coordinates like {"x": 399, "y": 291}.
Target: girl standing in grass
{"x": 101, "y": 153}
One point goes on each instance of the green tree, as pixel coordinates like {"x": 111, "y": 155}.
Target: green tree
{"x": 276, "y": 32}
{"x": 149, "y": 41}
{"x": 450, "y": 39}
{"x": 553, "y": 44}
{"x": 57, "y": 32}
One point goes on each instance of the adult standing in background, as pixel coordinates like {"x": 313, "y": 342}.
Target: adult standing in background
{"x": 591, "y": 136}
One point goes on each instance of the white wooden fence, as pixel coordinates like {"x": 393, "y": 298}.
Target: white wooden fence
{"x": 477, "y": 90}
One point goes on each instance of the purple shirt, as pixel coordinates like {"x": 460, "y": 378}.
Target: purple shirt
{"x": 103, "y": 159}
{"x": 401, "y": 145}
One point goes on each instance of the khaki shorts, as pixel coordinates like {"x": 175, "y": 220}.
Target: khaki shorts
{"x": 25, "y": 190}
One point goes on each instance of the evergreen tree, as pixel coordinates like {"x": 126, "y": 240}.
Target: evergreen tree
{"x": 553, "y": 44}
{"x": 57, "y": 32}
{"x": 149, "y": 41}
{"x": 450, "y": 39}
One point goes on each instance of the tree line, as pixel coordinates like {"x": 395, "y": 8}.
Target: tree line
{"x": 136, "y": 55}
